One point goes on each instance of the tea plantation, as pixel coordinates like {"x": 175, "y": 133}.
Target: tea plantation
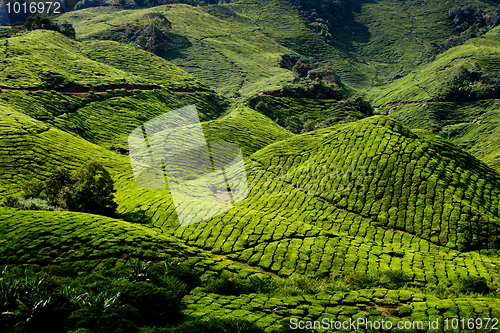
{"x": 352, "y": 212}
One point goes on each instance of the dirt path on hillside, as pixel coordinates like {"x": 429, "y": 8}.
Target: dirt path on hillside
{"x": 83, "y": 92}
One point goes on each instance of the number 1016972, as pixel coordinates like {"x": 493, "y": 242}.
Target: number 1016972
{"x": 33, "y": 7}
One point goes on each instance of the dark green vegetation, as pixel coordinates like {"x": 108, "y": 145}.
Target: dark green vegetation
{"x": 386, "y": 212}
{"x": 44, "y": 23}
{"x": 89, "y": 190}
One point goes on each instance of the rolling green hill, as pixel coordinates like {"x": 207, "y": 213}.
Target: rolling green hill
{"x": 392, "y": 216}
{"x": 233, "y": 47}
{"x": 426, "y": 82}
{"x": 49, "y": 60}
{"x": 231, "y": 56}
{"x": 286, "y": 225}
{"x": 416, "y": 100}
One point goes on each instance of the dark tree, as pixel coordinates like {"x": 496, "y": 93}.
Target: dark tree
{"x": 153, "y": 36}
{"x": 300, "y": 69}
{"x": 58, "y": 180}
{"x": 40, "y": 22}
{"x": 92, "y": 191}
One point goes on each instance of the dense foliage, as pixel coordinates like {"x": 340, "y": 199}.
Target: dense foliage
{"x": 323, "y": 16}
{"x": 470, "y": 21}
{"x": 40, "y": 22}
{"x": 89, "y": 190}
{"x": 150, "y": 35}
{"x": 55, "y": 299}
{"x": 470, "y": 85}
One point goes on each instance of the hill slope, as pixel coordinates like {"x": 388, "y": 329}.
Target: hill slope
{"x": 49, "y": 60}
{"x": 234, "y": 46}
{"x": 426, "y": 82}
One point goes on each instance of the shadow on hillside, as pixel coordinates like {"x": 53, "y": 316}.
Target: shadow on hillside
{"x": 136, "y": 217}
{"x": 177, "y": 46}
{"x": 353, "y": 32}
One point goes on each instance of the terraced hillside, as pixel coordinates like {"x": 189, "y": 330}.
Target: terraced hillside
{"x": 231, "y": 56}
{"x": 293, "y": 220}
{"x": 423, "y": 99}
{"x": 426, "y": 82}
{"x": 348, "y": 214}
{"x": 235, "y": 47}
{"x": 49, "y": 60}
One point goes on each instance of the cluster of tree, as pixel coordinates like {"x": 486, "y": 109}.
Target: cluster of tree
{"x": 351, "y": 109}
{"x": 150, "y": 35}
{"x": 323, "y": 16}
{"x": 90, "y": 189}
{"x": 41, "y": 22}
{"x": 470, "y": 85}
{"x": 310, "y": 80}
{"x": 315, "y": 89}
{"x": 142, "y": 297}
{"x": 470, "y": 21}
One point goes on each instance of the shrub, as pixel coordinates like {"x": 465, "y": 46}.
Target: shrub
{"x": 301, "y": 69}
{"x": 297, "y": 285}
{"x": 394, "y": 279}
{"x": 58, "y": 180}
{"x": 316, "y": 89}
{"x": 360, "y": 104}
{"x": 186, "y": 274}
{"x": 263, "y": 284}
{"x": 214, "y": 325}
{"x": 223, "y": 285}
{"x": 474, "y": 284}
{"x": 115, "y": 320}
{"x": 470, "y": 85}
{"x": 68, "y": 29}
{"x": 33, "y": 188}
{"x": 359, "y": 280}
{"x": 157, "y": 306}
{"x": 39, "y": 22}
{"x": 29, "y": 203}
{"x": 263, "y": 108}
{"x": 91, "y": 192}
{"x": 287, "y": 61}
